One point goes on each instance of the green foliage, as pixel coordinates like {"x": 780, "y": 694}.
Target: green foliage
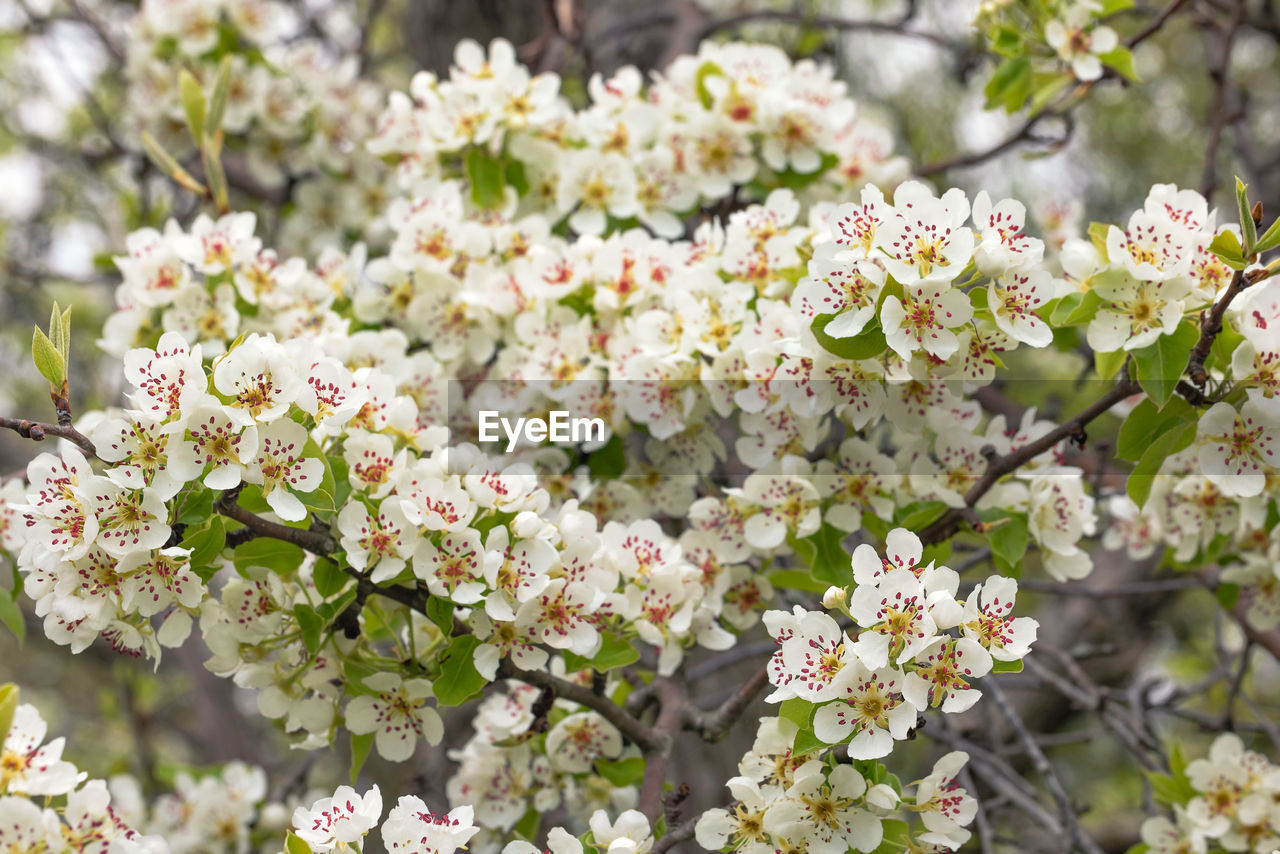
{"x": 1159, "y": 366}
{"x": 11, "y": 615}
{"x": 8, "y": 705}
{"x": 276, "y": 555}
{"x": 621, "y": 772}
{"x": 1008, "y": 539}
{"x": 825, "y": 555}
{"x": 52, "y": 352}
{"x": 1011, "y": 84}
{"x": 486, "y": 175}
{"x": 1142, "y": 478}
{"x": 459, "y": 680}
{"x": 1147, "y": 422}
{"x": 868, "y": 343}
{"x": 614, "y": 652}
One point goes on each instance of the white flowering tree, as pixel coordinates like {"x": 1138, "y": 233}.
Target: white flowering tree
{"x": 843, "y": 422}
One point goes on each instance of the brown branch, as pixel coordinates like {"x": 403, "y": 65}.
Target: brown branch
{"x": 949, "y": 522}
{"x": 37, "y": 431}
{"x": 714, "y": 724}
{"x": 1079, "y": 838}
{"x": 1211, "y": 324}
{"x": 680, "y": 833}
{"x": 1154, "y": 27}
{"x": 644, "y": 737}
{"x": 316, "y": 542}
{"x": 823, "y": 22}
{"x": 671, "y": 717}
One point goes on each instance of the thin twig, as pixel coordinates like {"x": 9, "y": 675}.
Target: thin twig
{"x": 1042, "y": 765}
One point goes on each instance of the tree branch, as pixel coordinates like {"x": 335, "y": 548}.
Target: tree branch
{"x": 947, "y": 525}
{"x": 644, "y": 737}
{"x": 671, "y": 717}
{"x": 715, "y": 724}
{"x": 1042, "y": 765}
{"x": 38, "y": 430}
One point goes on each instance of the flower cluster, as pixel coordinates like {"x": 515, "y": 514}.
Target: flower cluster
{"x": 342, "y": 821}
{"x": 32, "y": 769}
{"x": 733, "y": 115}
{"x": 784, "y": 801}
{"x": 1227, "y": 801}
{"x": 295, "y": 109}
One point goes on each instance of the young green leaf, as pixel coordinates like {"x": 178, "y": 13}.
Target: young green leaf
{"x": 218, "y": 98}
{"x": 193, "y": 103}
{"x": 49, "y": 361}
{"x": 1248, "y": 228}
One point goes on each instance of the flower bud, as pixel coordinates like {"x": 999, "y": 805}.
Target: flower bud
{"x": 834, "y": 597}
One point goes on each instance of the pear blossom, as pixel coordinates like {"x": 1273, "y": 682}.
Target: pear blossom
{"x": 1013, "y": 298}
{"x": 822, "y": 810}
{"x": 925, "y": 319}
{"x": 378, "y": 544}
{"x": 987, "y": 620}
{"x": 1135, "y": 312}
{"x": 280, "y": 468}
{"x": 1079, "y": 44}
{"x": 338, "y": 822}
{"x": 1238, "y": 447}
{"x": 870, "y": 708}
{"x": 926, "y": 241}
{"x": 411, "y": 826}
{"x": 942, "y": 673}
{"x": 944, "y": 806}
{"x": 27, "y": 766}
{"x": 397, "y": 714}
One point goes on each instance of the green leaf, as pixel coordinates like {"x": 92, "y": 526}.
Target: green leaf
{"x": 1146, "y": 423}
{"x": 1109, "y": 364}
{"x": 527, "y": 826}
{"x": 1006, "y": 666}
{"x": 1227, "y": 246}
{"x": 49, "y": 361}
{"x": 825, "y": 555}
{"x": 1228, "y": 594}
{"x": 609, "y": 461}
{"x": 795, "y": 579}
{"x": 485, "y": 174}
{"x": 897, "y": 837}
{"x": 360, "y": 748}
{"x": 206, "y": 542}
{"x": 11, "y": 616}
{"x": 1048, "y": 90}
{"x": 218, "y": 98}
{"x": 798, "y": 711}
{"x": 192, "y": 103}
{"x": 215, "y": 176}
{"x": 459, "y": 680}
{"x": 276, "y": 555}
{"x": 1121, "y": 60}
{"x": 806, "y": 742}
{"x": 1169, "y": 789}
{"x": 294, "y": 845}
{"x": 1270, "y": 239}
{"x": 320, "y": 499}
{"x": 1139, "y": 848}
{"x": 197, "y": 506}
{"x": 312, "y": 626}
{"x": 440, "y": 612}
{"x": 615, "y": 651}
{"x": 1160, "y": 365}
{"x": 621, "y": 772}
{"x": 1142, "y": 478}
{"x": 8, "y": 705}
{"x": 1075, "y": 308}
{"x": 1248, "y": 228}
{"x": 328, "y": 577}
{"x": 1010, "y": 85}
{"x": 868, "y": 343}
{"x": 1008, "y": 539}
{"x": 921, "y": 514}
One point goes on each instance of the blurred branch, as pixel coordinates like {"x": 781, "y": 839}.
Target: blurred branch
{"x": 39, "y": 430}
